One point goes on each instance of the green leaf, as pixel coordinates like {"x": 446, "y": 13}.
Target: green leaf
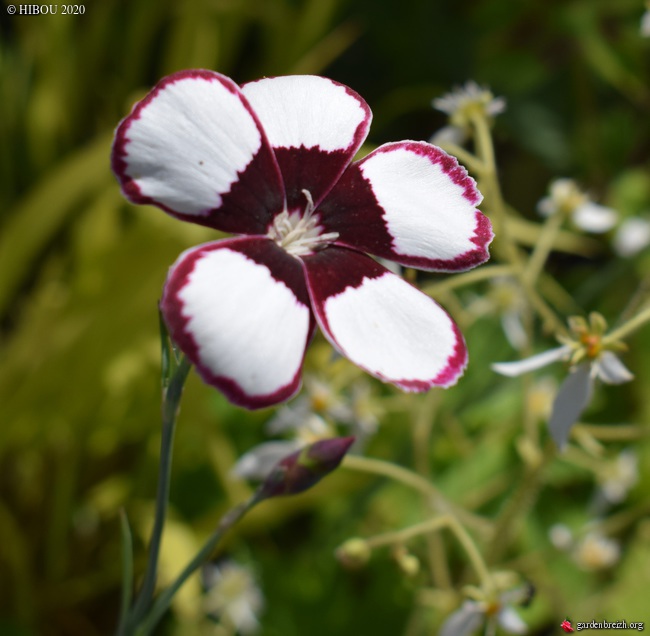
{"x": 127, "y": 570}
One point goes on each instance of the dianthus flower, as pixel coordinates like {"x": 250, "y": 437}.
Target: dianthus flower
{"x": 270, "y": 161}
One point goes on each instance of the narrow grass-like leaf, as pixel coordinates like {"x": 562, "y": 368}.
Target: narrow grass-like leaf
{"x": 127, "y": 571}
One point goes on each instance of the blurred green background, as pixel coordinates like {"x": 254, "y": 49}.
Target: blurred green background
{"x": 81, "y": 272}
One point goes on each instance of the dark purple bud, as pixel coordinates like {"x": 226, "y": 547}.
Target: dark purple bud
{"x": 304, "y": 468}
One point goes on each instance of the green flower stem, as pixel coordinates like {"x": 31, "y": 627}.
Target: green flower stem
{"x": 521, "y": 501}
{"x": 637, "y": 300}
{"x": 171, "y": 401}
{"x": 492, "y": 192}
{"x": 483, "y": 139}
{"x": 617, "y": 433}
{"x": 424, "y": 417}
{"x": 418, "y": 483}
{"x": 450, "y": 522}
{"x": 631, "y": 325}
{"x": 622, "y": 520}
{"x": 163, "y": 602}
{"x": 392, "y": 471}
{"x": 404, "y": 535}
{"x": 415, "y": 481}
{"x": 127, "y": 571}
{"x": 543, "y": 247}
{"x": 467, "y": 278}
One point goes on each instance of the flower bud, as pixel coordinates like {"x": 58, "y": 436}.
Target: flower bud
{"x": 304, "y": 468}
{"x": 354, "y": 553}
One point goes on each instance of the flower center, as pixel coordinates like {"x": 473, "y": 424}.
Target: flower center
{"x": 300, "y": 234}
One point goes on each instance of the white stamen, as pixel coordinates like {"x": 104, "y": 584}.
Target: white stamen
{"x": 300, "y": 234}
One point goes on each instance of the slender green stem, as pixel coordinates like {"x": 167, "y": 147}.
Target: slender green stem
{"x": 127, "y": 572}
{"x": 415, "y": 481}
{"x": 397, "y": 473}
{"x": 484, "y": 146}
{"x": 615, "y": 433}
{"x": 401, "y": 536}
{"x": 431, "y": 525}
{"x": 497, "y": 205}
{"x": 424, "y": 417}
{"x": 162, "y": 603}
{"x": 467, "y": 278}
{"x": 418, "y": 483}
{"x": 475, "y": 558}
{"x": 519, "y": 503}
{"x": 543, "y": 247}
{"x": 631, "y": 325}
{"x": 171, "y": 401}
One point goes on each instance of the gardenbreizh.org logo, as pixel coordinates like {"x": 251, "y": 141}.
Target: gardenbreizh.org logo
{"x": 568, "y": 626}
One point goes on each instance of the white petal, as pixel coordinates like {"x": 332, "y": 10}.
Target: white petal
{"x": 383, "y": 324}
{"x": 512, "y": 369}
{"x": 511, "y": 622}
{"x": 194, "y": 147}
{"x": 315, "y": 126}
{"x": 514, "y": 329}
{"x": 645, "y": 24}
{"x": 306, "y": 110}
{"x": 464, "y": 621}
{"x": 239, "y": 310}
{"x": 572, "y": 398}
{"x": 595, "y": 218}
{"x": 258, "y": 462}
{"x": 632, "y": 236}
{"x": 611, "y": 370}
{"x": 412, "y": 203}
{"x": 546, "y": 206}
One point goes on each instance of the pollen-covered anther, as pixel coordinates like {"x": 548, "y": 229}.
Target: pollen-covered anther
{"x": 300, "y": 234}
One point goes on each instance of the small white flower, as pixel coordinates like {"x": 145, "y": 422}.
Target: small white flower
{"x": 472, "y": 614}
{"x": 561, "y": 536}
{"x": 645, "y": 24}
{"x": 566, "y": 198}
{"x": 596, "y": 552}
{"x": 589, "y": 361}
{"x": 632, "y": 236}
{"x": 449, "y": 135}
{"x": 467, "y": 97}
{"x": 233, "y": 597}
{"x": 310, "y": 418}
{"x": 619, "y": 477}
{"x": 461, "y": 104}
{"x": 504, "y": 299}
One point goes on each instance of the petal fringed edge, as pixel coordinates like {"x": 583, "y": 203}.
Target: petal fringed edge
{"x": 412, "y": 203}
{"x": 382, "y": 323}
{"x": 315, "y": 126}
{"x": 239, "y": 309}
{"x": 195, "y": 148}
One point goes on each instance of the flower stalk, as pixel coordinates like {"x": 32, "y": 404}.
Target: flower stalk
{"x": 174, "y": 374}
{"x": 293, "y": 474}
